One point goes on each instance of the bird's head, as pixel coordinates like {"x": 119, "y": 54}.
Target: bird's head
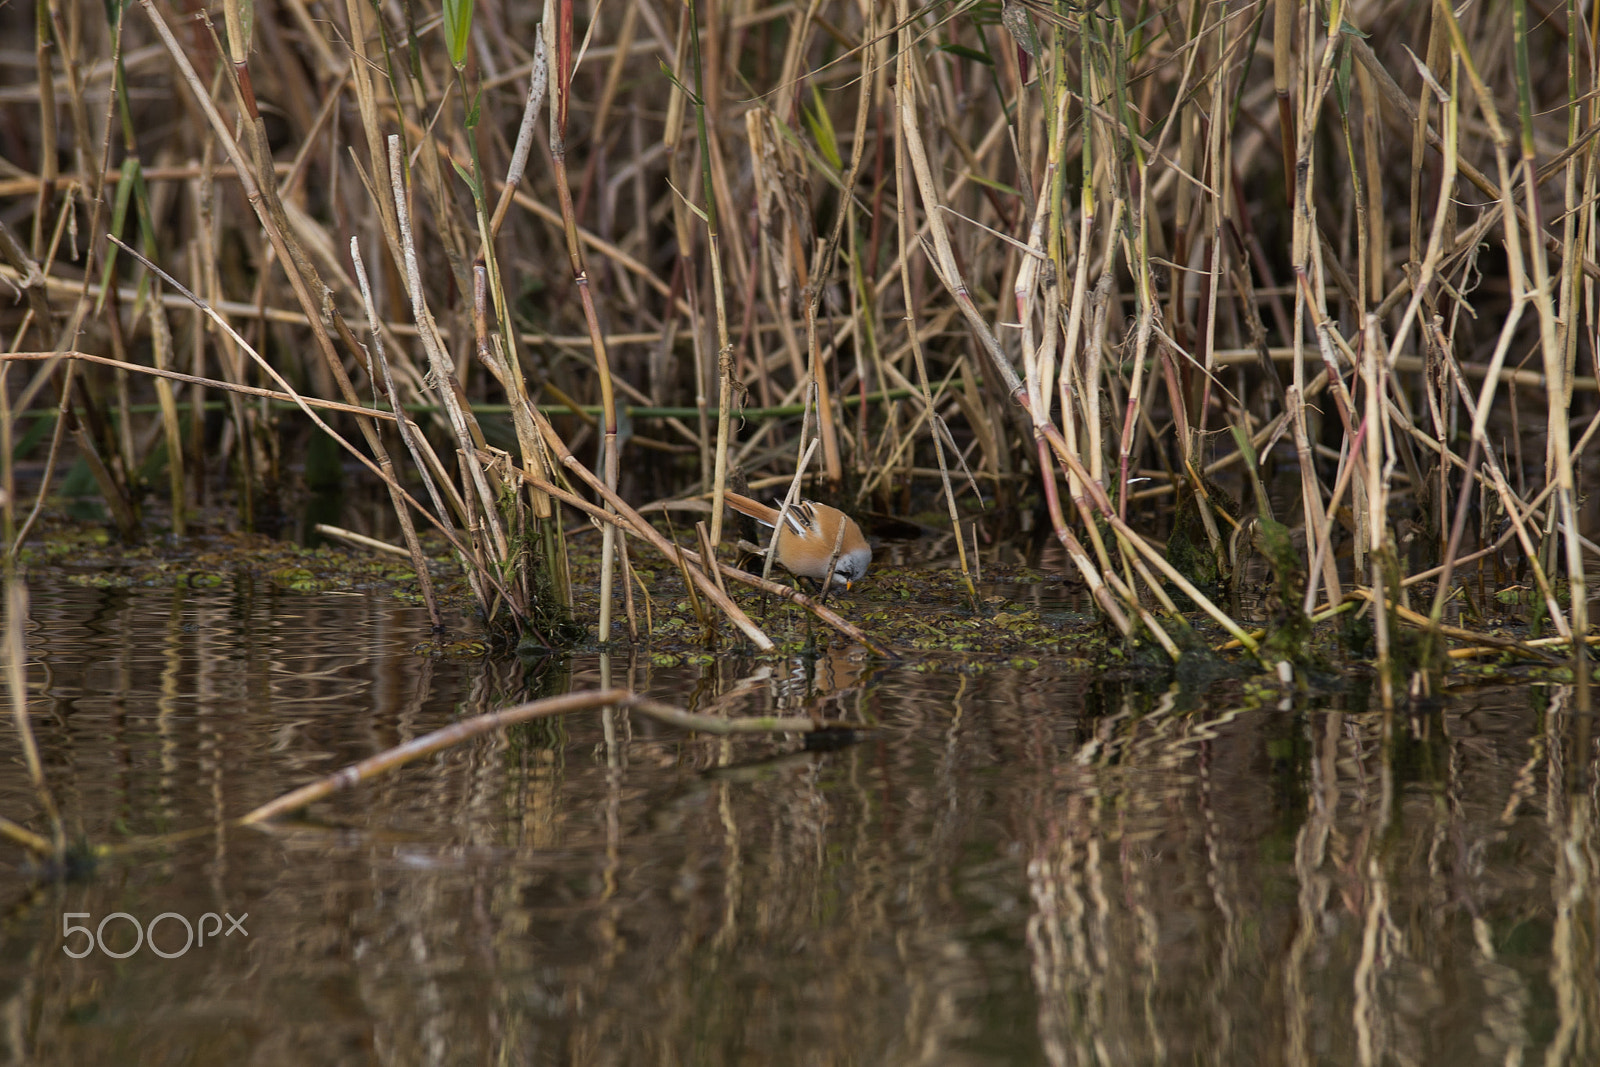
{"x": 851, "y": 567}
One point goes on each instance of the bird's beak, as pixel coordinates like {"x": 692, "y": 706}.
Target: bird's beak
{"x": 848, "y": 585}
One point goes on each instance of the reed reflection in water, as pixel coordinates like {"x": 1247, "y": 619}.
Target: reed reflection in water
{"x": 1015, "y": 867}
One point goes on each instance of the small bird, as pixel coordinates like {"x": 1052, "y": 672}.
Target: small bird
{"x": 810, "y": 532}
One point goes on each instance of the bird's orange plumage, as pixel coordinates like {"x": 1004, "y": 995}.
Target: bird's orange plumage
{"x": 811, "y": 534}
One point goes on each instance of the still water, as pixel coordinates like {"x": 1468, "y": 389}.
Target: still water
{"x": 1014, "y": 867}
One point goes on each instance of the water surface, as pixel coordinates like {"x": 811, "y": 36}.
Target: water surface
{"x": 1014, "y": 867}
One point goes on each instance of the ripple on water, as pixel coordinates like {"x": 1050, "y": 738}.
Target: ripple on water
{"x": 1012, "y": 866}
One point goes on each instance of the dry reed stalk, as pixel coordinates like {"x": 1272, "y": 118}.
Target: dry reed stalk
{"x": 382, "y": 373}
{"x": 708, "y": 623}
{"x": 1557, "y": 364}
{"x": 382, "y": 467}
{"x": 558, "y": 23}
{"x": 442, "y": 373}
{"x": 708, "y": 551}
{"x": 1482, "y": 449}
{"x": 1080, "y": 559}
{"x": 790, "y": 499}
{"x": 903, "y": 224}
{"x": 197, "y": 380}
{"x": 566, "y": 704}
{"x": 161, "y": 336}
{"x": 1379, "y": 464}
{"x": 822, "y": 266}
{"x": 498, "y": 351}
{"x": 1423, "y": 622}
{"x": 15, "y": 536}
{"x": 949, "y": 273}
{"x": 709, "y": 216}
{"x": 259, "y": 184}
{"x": 693, "y": 563}
{"x": 1180, "y": 192}
{"x": 338, "y": 533}
{"x": 610, "y": 499}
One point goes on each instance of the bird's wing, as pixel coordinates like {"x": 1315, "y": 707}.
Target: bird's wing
{"x": 801, "y": 519}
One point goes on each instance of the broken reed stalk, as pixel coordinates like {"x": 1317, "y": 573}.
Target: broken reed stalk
{"x": 1422, "y": 622}
{"x": 565, "y": 704}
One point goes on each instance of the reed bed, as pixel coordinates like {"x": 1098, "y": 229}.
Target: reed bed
{"x": 1191, "y": 285}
